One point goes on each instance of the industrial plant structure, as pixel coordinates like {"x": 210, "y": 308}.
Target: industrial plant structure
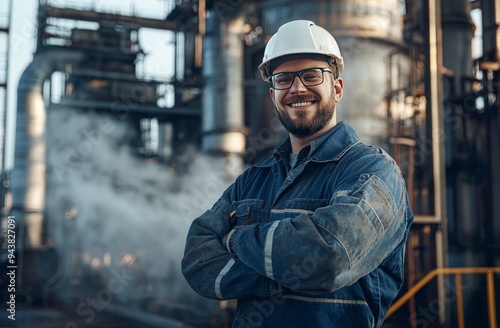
{"x": 110, "y": 166}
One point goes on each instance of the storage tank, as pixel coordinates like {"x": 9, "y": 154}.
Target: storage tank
{"x": 367, "y": 31}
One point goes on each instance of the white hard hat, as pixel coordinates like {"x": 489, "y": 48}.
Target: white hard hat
{"x": 300, "y": 39}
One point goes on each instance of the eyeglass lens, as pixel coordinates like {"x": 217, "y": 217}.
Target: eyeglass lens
{"x": 309, "y": 77}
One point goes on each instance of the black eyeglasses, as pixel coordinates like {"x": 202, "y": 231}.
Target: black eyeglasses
{"x": 309, "y": 77}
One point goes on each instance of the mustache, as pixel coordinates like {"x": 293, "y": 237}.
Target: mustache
{"x": 299, "y": 98}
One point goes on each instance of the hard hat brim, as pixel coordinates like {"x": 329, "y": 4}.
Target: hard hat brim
{"x": 273, "y": 64}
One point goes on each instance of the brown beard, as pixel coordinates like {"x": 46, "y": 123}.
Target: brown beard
{"x": 304, "y": 128}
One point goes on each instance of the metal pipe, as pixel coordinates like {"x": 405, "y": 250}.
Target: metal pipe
{"x": 491, "y": 299}
{"x": 28, "y": 175}
{"x": 4, "y": 171}
{"x": 434, "y": 108}
{"x": 460, "y": 301}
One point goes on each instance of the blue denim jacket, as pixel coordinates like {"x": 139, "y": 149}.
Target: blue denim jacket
{"x": 321, "y": 245}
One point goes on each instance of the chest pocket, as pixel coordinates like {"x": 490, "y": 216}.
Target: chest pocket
{"x": 245, "y": 212}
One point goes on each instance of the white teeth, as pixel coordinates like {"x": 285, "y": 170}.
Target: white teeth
{"x": 305, "y": 103}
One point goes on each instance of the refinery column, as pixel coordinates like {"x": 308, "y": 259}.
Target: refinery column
{"x": 223, "y": 111}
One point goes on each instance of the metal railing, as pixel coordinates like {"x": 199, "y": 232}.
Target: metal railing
{"x": 458, "y": 272}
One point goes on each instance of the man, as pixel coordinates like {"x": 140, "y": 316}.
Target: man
{"x": 314, "y": 235}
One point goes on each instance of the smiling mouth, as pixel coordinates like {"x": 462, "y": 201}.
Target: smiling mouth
{"x": 301, "y": 104}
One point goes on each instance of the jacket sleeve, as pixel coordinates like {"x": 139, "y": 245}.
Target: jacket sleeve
{"x": 208, "y": 266}
{"x": 367, "y": 218}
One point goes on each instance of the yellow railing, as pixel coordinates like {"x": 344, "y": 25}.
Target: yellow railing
{"x": 490, "y": 285}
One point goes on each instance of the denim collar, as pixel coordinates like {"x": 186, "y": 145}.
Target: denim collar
{"x": 331, "y": 146}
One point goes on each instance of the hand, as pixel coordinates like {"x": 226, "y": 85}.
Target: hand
{"x": 227, "y": 242}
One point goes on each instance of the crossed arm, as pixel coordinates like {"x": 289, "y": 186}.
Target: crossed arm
{"x": 314, "y": 253}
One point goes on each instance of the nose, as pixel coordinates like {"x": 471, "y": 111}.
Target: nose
{"x": 297, "y": 86}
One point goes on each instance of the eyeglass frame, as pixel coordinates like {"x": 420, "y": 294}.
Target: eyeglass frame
{"x": 297, "y": 73}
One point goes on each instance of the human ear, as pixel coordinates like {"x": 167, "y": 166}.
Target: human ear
{"x": 338, "y": 85}
{"x": 271, "y": 93}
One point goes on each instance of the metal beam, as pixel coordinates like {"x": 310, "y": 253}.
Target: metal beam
{"x": 132, "y": 22}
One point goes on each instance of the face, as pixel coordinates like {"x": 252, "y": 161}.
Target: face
{"x": 306, "y": 111}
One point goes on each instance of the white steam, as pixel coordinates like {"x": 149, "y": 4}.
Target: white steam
{"x": 109, "y": 210}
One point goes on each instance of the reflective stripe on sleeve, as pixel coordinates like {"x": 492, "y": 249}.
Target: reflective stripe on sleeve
{"x": 268, "y": 250}
{"x": 222, "y": 273}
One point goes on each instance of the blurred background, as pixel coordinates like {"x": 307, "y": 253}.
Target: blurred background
{"x": 121, "y": 121}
